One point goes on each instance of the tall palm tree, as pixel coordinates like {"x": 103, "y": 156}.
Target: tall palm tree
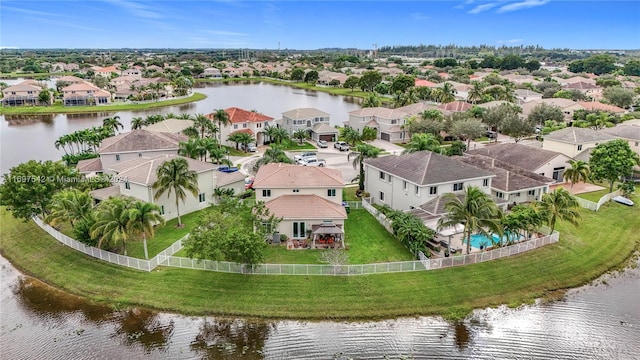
{"x": 204, "y": 126}
{"x": 274, "y": 154}
{"x": 190, "y": 149}
{"x": 476, "y": 92}
{"x": 301, "y": 135}
{"x": 579, "y": 171}
{"x": 137, "y": 123}
{"x": 112, "y": 218}
{"x": 174, "y": 176}
{"x": 362, "y": 152}
{"x": 421, "y": 142}
{"x": 218, "y": 155}
{"x": 351, "y": 135}
{"x": 222, "y": 118}
{"x": 559, "y": 205}
{"x": 69, "y": 205}
{"x": 113, "y": 123}
{"x": 143, "y": 217}
{"x": 474, "y": 210}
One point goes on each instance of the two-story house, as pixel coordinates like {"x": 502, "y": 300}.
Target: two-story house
{"x": 132, "y": 145}
{"x": 628, "y": 132}
{"x": 135, "y": 178}
{"x": 572, "y": 141}
{"x": 84, "y": 93}
{"x": 568, "y": 107}
{"x": 306, "y": 198}
{"x": 316, "y": 122}
{"x": 550, "y": 164}
{"x": 21, "y": 94}
{"x": 388, "y": 122}
{"x": 250, "y": 122}
{"x": 407, "y": 181}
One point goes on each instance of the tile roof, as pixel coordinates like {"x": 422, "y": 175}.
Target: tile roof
{"x": 456, "y": 106}
{"x": 491, "y": 104}
{"x": 624, "y": 131}
{"x": 105, "y": 193}
{"x": 422, "y": 82}
{"x": 508, "y": 178}
{"x": 174, "y": 126}
{"x": 305, "y": 207}
{"x": 426, "y": 168}
{"x": 81, "y": 86}
{"x": 89, "y": 165}
{"x": 141, "y": 140}
{"x": 323, "y": 128}
{"x": 380, "y": 112}
{"x": 304, "y": 113}
{"x": 417, "y": 108}
{"x": 237, "y": 115}
{"x": 574, "y": 135}
{"x": 527, "y": 157}
{"x": 224, "y": 179}
{"x": 21, "y": 87}
{"x": 581, "y": 85}
{"x": 143, "y": 170}
{"x": 278, "y": 175}
{"x": 595, "y": 105}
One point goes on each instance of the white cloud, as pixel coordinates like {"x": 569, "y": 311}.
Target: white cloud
{"x": 137, "y": 9}
{"x": 29, "y": 12}
{"x": 481, "y": 8}
{"x": 521, "y": 5}
{"x": 510, "y": 41}
{"x": 419, "y": 16}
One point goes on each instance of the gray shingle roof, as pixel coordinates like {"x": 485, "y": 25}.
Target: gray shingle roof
{"x": 304, "y": 113}
{"x": 527, "y": 157}
{"x": 574, "y": 135}
{"x": 143, "y": 170}
{"x": 631, "y": 132}
{"x": 140, "y": 140}
{"x": 508, "y": 178}
{"x": 426, "y": 167}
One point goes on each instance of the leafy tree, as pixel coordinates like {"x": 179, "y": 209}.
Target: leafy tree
{"x": 301, "y": 135}
{"x": 619, "y": 96}
{"x": 628, "y": 187}
{"x": 311, "y": 77}
{"x": 446, "y": 62}
{"x": 632, "y": 68}
{"x": 352, "y": 82}
{"x": 608, "y": 82}
{"x": 29, "y": 187}
{"x": 559, "y": 205}
{"x": 369, "y": 80}
{"x": 422, "y": 142}
{"x": 498, "y": 115}
{"x": 599, "y": 64}
{"x": 572, "y": 94}
{"x": 517, "y": 127}
{"x": 382, "y": 88}
{"x": 457, "y": 148}
{"x": 548, "y": 88}
{"x": 411, "y": 231}
{"x": 174, "y": 176}
{"x": 368, "y": 133}
{"x": 595, "y": 120}
{"x": 532, "y": 65}
{"x": 474, "y": 210}
{"x": 543, "y": 112}
{"x": 112, "y": 218}
{"x": 362, "y": 152}
{"x": 371, "y": 101}
{"x": 579, "y": 171}
{"x": 205, "y": 127}
{"x": 297, "y": 74}
{"x": 143, "y": 218}
{"x": 44, "y": 97}
{"x": 511, "y": 62}
{"x": 351, "y": 135}
{"x": 402, "y": 83}
{"x": 70, "y": 205}
{"x": 612, "y": 160}
{"x": 468, "y": 129}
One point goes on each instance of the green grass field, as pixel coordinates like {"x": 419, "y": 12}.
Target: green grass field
{"x": 603, "y": 242}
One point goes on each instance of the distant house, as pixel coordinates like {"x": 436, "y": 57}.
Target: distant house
{"x": 550, "y": 164}
{"x": 405, "y": 182}
{"x": 525, "y": 95}
{"x": 629, "y": 132}
{"x": 388, "y": 122}
{"x": 131, "y": 72}
{"x": 136, "y": 177}
{"x": 568, "y": 107}
{"x": 598, "y": 106}
{"x": 456, "y": 106}
{"x": 304, "y": 197}
{"x": 250, "y": 122}
{"x": 70, "y": 79}
{"x": 572, "y": 141}
{"x": 108, "y": 71}
{"x": 21, "y": 94}
{"x": 136, "y": 144}
{"x": 212, "y": 72}
{"x": 84, "y": 93}
{"x": 316, "y": 122}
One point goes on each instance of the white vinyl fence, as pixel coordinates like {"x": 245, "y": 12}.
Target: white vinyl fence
{"x": 587, "y": 204}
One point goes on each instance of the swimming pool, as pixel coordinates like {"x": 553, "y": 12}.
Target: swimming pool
{"x": 480, "y": 239}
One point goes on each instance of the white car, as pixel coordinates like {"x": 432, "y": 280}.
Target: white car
{"x": 305, "y": 155}
{"x": 341, "y": 145}
{"x": 322, "y": 144}
{"x": 312, "y": 162}
{"x": 251, "y": 147}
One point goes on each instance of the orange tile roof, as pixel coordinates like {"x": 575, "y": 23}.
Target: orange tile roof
{"x": 237, "y": 115}
{"x": 278, "y": 175}
{"x": 305, "y": 207}
{"x": 248, "y": 131}
{"x": 427, "y": 83}
{"x": 594, "y": 105}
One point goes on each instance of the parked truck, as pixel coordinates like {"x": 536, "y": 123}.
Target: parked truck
{"x": 312, "y": 162}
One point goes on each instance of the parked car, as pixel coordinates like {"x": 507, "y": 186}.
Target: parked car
{"x": 227, "y": 169}
{"x": 341, "y": 145}
{"x": 491, "y": 134}
{"x": 322, "y": 144}
{"x": 312, "y": 162}
{"x": 251, "y": 147}
{"x": 248, "y": 183}
{"x": 305, "y": 155}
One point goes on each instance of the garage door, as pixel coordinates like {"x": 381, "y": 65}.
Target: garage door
{"x": 385, "y": 136}
{"x": 327, "y": 137}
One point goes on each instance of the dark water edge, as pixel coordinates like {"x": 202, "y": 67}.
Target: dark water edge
{"x": 597, "y": 321}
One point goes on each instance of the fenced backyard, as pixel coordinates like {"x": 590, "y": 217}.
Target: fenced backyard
{"x": 595, "y": 206}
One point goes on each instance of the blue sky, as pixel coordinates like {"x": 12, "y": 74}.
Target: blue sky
{"x": 318, "y": 24}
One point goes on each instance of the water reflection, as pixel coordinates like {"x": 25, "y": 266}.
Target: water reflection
{"x": 226, "y": 339}
{"x": 144, "y": 327}
{"x": 463, "y": 335}
{"x": 23, "y": 120}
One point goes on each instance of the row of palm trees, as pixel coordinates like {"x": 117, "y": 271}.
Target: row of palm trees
{"x": 88, "y": 140}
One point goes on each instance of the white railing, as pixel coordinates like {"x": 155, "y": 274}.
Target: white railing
{"x": 382, "y": 219}
{"x": 587, "y": 204}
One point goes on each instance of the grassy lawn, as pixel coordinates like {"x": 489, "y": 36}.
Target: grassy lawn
{"x": 292, "y": 145}
{"x": 59, "y": 109}
{"x": 594, "y": 195}
{"x": 603, "y": 242}
{"x": 349, "y": 194}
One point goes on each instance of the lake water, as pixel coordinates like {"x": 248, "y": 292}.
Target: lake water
{"x": 32, "y": 137}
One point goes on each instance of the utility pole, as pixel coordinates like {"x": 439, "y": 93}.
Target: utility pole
{"x": 375, "y": 50}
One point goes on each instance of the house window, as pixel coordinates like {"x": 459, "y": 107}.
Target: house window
{"x": 404, "y": 185}
{"x": 457, "y": 187}
{"x": 162, "y": 210}
{"x": 244, "y": 125}
{"x": 382, "y": 196}
{"x": 381, "y": 175}
{"x": 235, "y": 126}
{"x": 296, "y": 190}
{"x": 485, "y": 182}
{"x": 267, "y": 124}
{"x": 433, "y": 190}
{"x": 517, "y": 194}
{"x": 258, "y": 125}
{"x": 201, "y": 197}
{"x": 266, "y": 193}
{"x": 389, "y": 177}
{"x": 117, "y": 157}
{"x": 331, "y": 192}
{"x": 299, "y": 229}
{"x": 393, "y": 122}
{"x": 127, "y": 185}
{"x": 637, "y": 143}
{"x": 500, "y": 195}
{"x": 579, "y": 147}
{"x": 531, "y": 193}
{"x": 417, "y": 190}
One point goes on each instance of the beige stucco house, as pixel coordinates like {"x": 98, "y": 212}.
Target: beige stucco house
{"x": 24, "y": 93}
{"x": 304, "y": 197}
{"x": 312, "y": 120}
{"x": 388, "y": 122}
{"x": 250, "y": 122}
{"x": 567, "y": 106}
{"x": 405, "y": 182}
{"x": 84, "y": 93}
{"x": 573, "y": 141}
{"x": 628, "y": 132}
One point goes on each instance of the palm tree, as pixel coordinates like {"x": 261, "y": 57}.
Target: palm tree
{"x": 204, "y": 126}
{"x": 143, "y": 217}
{"x": 421, "y": 142}
{"x": 174, "y": 176}
{"x": 474, "y": 210}
{"x": 218, "y": 155}
{"x": 301, "y": 135}
{"x": 351, "y": 135}
{"x": 579, "y": 171}
{"x": 476, "y": 92}
{"x": 559, "y": 205}
{"x": 222, "y": 118}
{"x": 137, "y": 123}
{"x": 371, "y": 101}
{"x": 113, "y": 123}
{"x": 362, "y": 152}
{"x": 112, "y": 218}
{"x": 274, "y": 154}
{"x": 191, "y": 148}
{"x": 69, "y": 205}
{"x": 244, "y": 139}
